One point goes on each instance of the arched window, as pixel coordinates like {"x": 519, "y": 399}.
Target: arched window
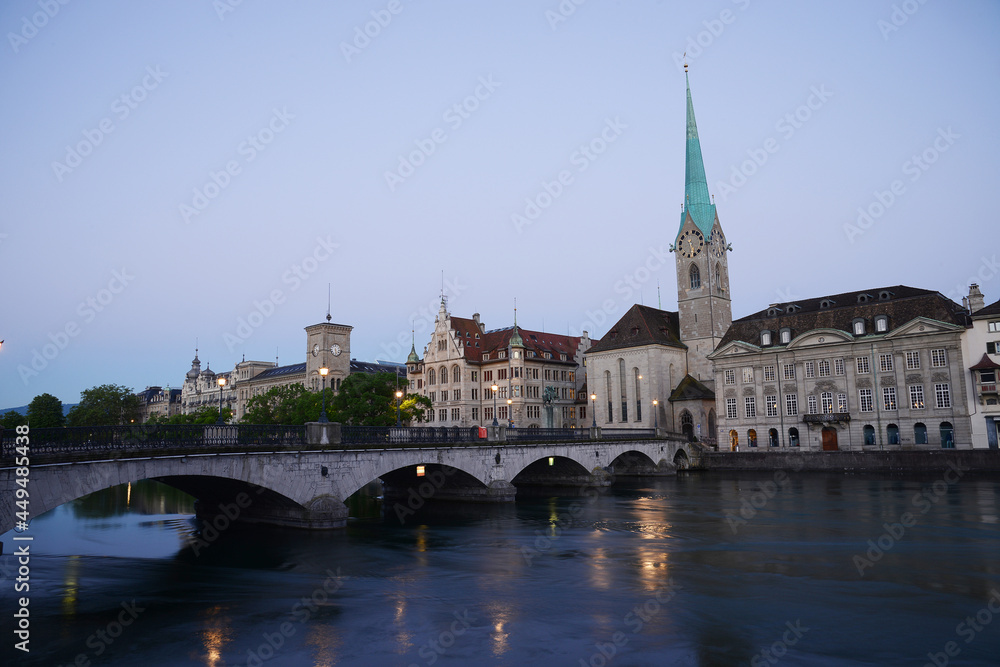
{"x": 431, "y": 377}
{"x": 892, "y": 434}
{"x": 621, "y": 383}
{"x": 752, "y": 438}
{"x": 638, "y": 395}
{"x": 869, "y": 433}
{"x": 793, "y": 437}
{"x": 734, "y": 440}
{"x": 687, "y": 425}
{"x": 772, "y": 437}
{"x": 947, "y": 436}
{"x": 444, "y": 375}
{"x": 695, "y": 276}
{"x": 607, "y": 381}
{"x": 456, "y": 375}
{"x": 920, "y": 433}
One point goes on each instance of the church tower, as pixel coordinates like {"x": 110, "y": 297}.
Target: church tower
{"x": 703, "y": 298}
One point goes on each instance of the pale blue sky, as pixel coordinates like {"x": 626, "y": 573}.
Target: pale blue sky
{"x": 197, "y": 86}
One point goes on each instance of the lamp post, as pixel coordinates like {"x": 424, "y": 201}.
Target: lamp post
{"x": 656, "y": 417}
{"x": 494, "y": 389}
{"x": 222, "y": 383}
{"x": 510, "y": 412}
{"x": 322, "y": 415}
{"x": 593, "y": 409}
{"x": 399, "y": 395}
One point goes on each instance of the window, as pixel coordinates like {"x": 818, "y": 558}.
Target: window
{"x": 752, "y": 438}
{"x": 502, "y": 374}
{"x": 487, "y": 376}
{"x": 793, "y": 437}
{"x": 548, "y": 373}
{"x": 791, "y": 404}
{"x": 772, "y": 437}
{"x": 431, "y": 377}
{"x": 444, "y": 395}
{"x": 993, "y": 326}
{"x": 863, "y": 366}
{"x": 942, "y": 395}
{"x": 841, "y": 402}
{"x": 432, "y": 396}
{"x": 916, "y": 396}
{"x": 885, "y": 363}
{"x": 865, "y": 400}
{"x": 456, "y": 394}
{"x": 788, "y": 371}
{"x": 444, "y": 375}
{"x": 474, "y": 394}
{"x": 769, "y": 374}
{"x": 501, "y": 354}
{"x": 938, "y": 358}
{"x": 888, "y": 398}
{"x": 731, "y": 408}
{"x": 474, "y": 376}
{"x": 920, "y": 434}
{"x": 430, "y": 415}
{"x": 765, "y": 338}
{"x": 747, "y": 375}
{"x": 583, "y": 411}
{"x": 912, "y": 361}
{"x": 947, "y": 436}
{"x": 882, "y": 325}
{"x": 486, "y": 355}
{"x": 772, "y": 405}
{"x": 993, "y": 348}
{"x": 859, "y": 327}
{"x": 987, "y": 377}
{"x": 785, "y": 336}
{"x": 730, "y": 376}
{"x": 502, "y": 412}
{"x": 475, "y": 414}
{"x": 456, "y": 414}
{"x": 810, "y": 367}
{"x": 718, "y": 279}
{"x": 695, "y": 276}
{"x": 503, "y": 391}
{"x": 621, "y": 384}
{"x": 838, "y": 366}
{"x": 824, "y": 369}
{"x": 638, "y": 395}
{"x": 826, "y": 401}
{"x": 750, "y": 406}
{"x": 607, "y": 382}
{"x": 892, "y": 434}
{"x": 869, "y": 432}
{"x": 812, "y": 404}
{"x": 517, "y": 391}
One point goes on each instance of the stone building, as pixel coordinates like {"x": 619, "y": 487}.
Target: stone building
{"x": 874, "y": 369}
{"x": 652, "y": 354}
{"x": 982, "y": 353}
{"x": 537, "y": 375}
{"x": 159, "y": 402}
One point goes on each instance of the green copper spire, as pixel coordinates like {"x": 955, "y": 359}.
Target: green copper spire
{"x": 413, "y": 358}
{"x": 697, "y": 203}
{"x": 515, "y": 339}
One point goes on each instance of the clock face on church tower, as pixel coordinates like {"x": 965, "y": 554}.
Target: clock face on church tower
{"x": 690, "y": 243}
{"x": 717, "y": 243}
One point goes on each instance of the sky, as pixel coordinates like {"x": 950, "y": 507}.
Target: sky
{"x": 201, "y": 173}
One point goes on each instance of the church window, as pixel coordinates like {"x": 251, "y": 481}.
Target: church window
{"x": 621, "y": 384}
{"x": 695, "y": 276}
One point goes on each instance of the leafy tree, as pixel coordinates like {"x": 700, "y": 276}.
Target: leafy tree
{"x": 370, "y": 400}
{"x": 107, "y": 404}
{"x": 12, "y": 420}
{"x": 203, "y": 415}
{"x": 286, "y": 404}
{"x": 414, "y": 408}
{"x": 45, "y": 410}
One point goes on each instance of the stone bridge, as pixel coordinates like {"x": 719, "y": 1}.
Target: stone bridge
{"x": 308, "y": 488}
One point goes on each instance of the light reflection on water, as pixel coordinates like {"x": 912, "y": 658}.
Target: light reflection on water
{"x": 404, "y": 586}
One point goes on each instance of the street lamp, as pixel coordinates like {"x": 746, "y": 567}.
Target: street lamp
{"x": 399, "y": 395}
{"x": 593, "y": 409}
{"x": 222, "y": 383}
{"x": 510, "y": 413}
{"x": 322, "y": 415}
{"x": 494, "y": 389}
{"x": 656, "y": 416}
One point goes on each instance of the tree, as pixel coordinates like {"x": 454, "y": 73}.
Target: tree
{"x": 370, "y": 400}
{"x": 44, "y": 411}
{"x": 12, "y": 419}
{"x": 203, "y": 415}
{"x": 107, "y": 404}
{"x": 414, "y": 408}
{"x": 286, "y": 404}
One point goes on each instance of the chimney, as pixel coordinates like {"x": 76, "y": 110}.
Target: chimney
{"x": 976, "y": 301}
{"x": 475, "y": 318}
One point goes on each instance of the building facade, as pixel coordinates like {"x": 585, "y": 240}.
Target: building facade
{"x": 875, "y": 369}
{"x": 159, "y": 402}
{"x": 982, "y": 353}
{"x": 538, "y": 375}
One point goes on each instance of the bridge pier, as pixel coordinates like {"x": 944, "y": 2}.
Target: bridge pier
{"x": 322, "y": 512}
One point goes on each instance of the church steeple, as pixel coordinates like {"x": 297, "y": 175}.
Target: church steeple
{"x": 413, "y": 358}
{"x": 697, "y": 202}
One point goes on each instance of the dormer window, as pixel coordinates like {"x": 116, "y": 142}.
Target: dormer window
{"x": 864, "y": 298}
{"x": 785, "y": 336}
{"x": 502, "y": 354}
{"x": 881, "y": 324}
{"x": 794, "y": 308}
{"x": 765, "y": 338}
{"x": 486, "y": 356}
{"x": 884, "y": 295}
{"x": 773, "y": 311}
{"x": 858, "y": 326}
{"x": 826, "y": 303}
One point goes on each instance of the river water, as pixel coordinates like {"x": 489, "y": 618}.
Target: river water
{"x": 700, "y": 569}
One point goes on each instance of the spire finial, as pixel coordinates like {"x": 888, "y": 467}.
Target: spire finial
{"x": 328, "y": 302}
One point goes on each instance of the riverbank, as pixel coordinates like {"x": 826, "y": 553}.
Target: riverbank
{"x": 980, "y": 460}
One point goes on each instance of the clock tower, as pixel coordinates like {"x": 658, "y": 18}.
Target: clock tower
{"x": 703, "y": 297}
{"x": 329, "y": 345}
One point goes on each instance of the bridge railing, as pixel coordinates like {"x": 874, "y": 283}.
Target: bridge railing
{"x": 547, "y": 434}
{"x": 627, "y": 433}
{"x": 407, "y": 435}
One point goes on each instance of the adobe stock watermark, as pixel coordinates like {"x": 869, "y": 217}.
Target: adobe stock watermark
{"x": 696, "y": 44}
{"x": 295, "y": 276}
{"x": 364, "y": 34}
{"x": 87, "y": 311}
{"x": 968, "y": 629}
{"x": 787, "y": 126}
{"x": 223, "y": 7}
{"x": 300, "y": 613}
{"x": 121, "y": 108}
{"x": 900, "y": 14}
{"x": 248, "y": 150}
{"x": 581, "y": 158}
{"x": 894, "y": 532}
{"x": 635, "y": 620}
{"x": 38, "y": 20}
{"x": 563, "y": 11}
{"x": 987, "y": 271}
{"x": 772, "y": 654}
{"x": 915, "y": 167}
{"x": 433, "y": 649}
{"x": 761, "y": 495}
{"x": 104, "y": 637}
{"x": 420, "y": 320}
{"x": 455, "y": 116}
